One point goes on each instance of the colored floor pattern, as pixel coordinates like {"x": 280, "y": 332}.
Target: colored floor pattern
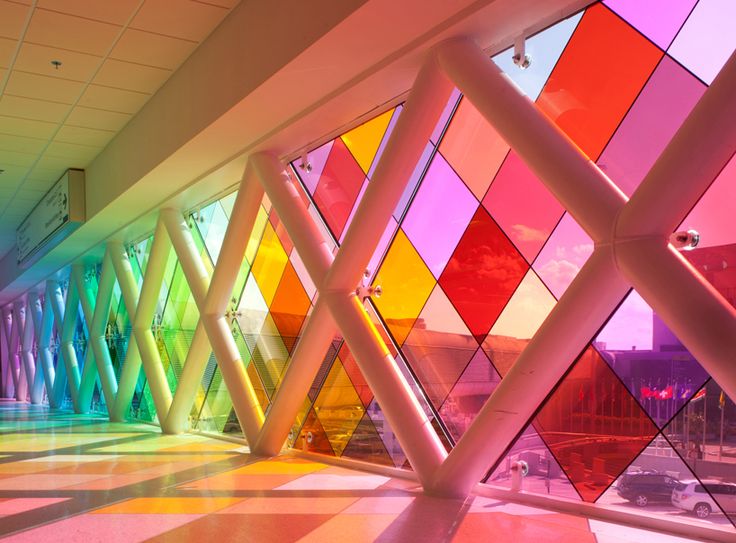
{"x": 75, "y": 478}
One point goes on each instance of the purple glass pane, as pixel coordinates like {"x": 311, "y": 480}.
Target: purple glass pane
{"x": 384, "y": 242}
{"x": 384, "y": 141}
{"x": 658, "y": 20}
{"x": 654, "y": 118}
{"x": 445, "y": 117}
{"x": 715, "y": 221}
{"x": 707, "y": 39}
{"x": 648, "y": 358}
{"x": 469, "y": 394}
{"x": 389, "y": 439}
{"x": 567, "y": 249}
{"x": 439, "y": 214}
{"x": 522, "y": 206}
{"x": 412, "y": 184}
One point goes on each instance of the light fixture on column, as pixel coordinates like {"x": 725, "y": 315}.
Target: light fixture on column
{"x": 521, "y": 58}
{"x": 685, "y": 240}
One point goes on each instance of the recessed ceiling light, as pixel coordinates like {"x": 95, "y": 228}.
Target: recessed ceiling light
{"x": 56, "y": 63}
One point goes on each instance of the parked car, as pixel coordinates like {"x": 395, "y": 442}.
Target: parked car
{"x": 646, "y": 487}
{"x": 698, "y": 498}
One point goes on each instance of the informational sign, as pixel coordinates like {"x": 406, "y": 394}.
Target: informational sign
{"x": 59, "y": 213}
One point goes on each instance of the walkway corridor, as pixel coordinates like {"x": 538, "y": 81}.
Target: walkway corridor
{"x": 73, "y": 478}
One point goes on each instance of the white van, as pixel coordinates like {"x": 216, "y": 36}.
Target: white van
{"x": 697, "y": 497}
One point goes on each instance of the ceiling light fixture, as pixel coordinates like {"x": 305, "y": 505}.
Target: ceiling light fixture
{"x": 56, "y": 64}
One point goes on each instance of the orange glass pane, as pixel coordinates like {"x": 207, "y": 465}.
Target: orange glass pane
{"x": 406, "y": 283}
{"x": 364, "y": 140}
{"x": 473, "y": 148}
{"x": 289, "y": 307}
{"x": 605, "y": 65}
{"x": 338, "y": 408}
{"x": 269, "y": 264}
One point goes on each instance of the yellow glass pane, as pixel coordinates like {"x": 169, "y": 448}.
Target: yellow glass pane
{"x": 255, "y": 236}
{"x": 406, "y": 283}
{"x": 363, "y": 141}
{"x": 338, "y": 407}
{"x": 269, "y": 264}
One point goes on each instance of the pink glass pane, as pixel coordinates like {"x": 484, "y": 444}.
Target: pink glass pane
{"x": 439, "y": 347}
{"x": 473, "y": 148}
{"x": 317, "y": 160}
{"x": 654, "y": 118}
{"x": 338, "y": 187}
{"x": 658, "y": 20}
{"x": 714, "y": 221}
{"x": 718, "y": 266}
{"x": 438, "y": 215}
{"x": 566, "y": 251}
{"x": 522, "y": 206}
{"x": 413, "y": 181}
{"x": 469, "y": 394}
{"x": 648, "y": 358}
{"x": 482, "y": 274}
{"x": 445, "y": 117}
{"x": 545, "y": 474}
{"x": 707, "y": 39}
{"x": 593, "y": 425}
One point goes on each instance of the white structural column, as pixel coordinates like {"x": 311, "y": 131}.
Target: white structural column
{"x": 43, "y": 319}
{"x": 132, "y": 364}
{"x": 29, "y": 363}
{"x": 152, "y": 280}
{"x": 21, "y": 386}
{"x": 65, "y": 314}
{"x": 35, "y": 314}
{"x": 245, "y": 402}
{"x": 4, "y": 366}
{"x": 11, "y": 331}
{"x": 96, "y": 324}
{"x": 422, "y": 110}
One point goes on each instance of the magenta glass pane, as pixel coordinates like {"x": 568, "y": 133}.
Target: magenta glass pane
{"x": 545, "y": 474}
{"x": 654, "y": 118}
{"x": 338, "y": 187}
{"x": 438, "y": 215}
{"x": 522, "y": 206}
{"x": 651, "y": 362}
{"x": 469, "y": 394}
{"x": 707, "y": 39}
{"x": 382, "y": 247}
{"x": 714, "y": 221}
{"x": 658, "y": 20}
{"x": 703, "y": 435}
{"x": 593, "y": 425}
{"x": 561, "y": 258}
{"x": 482, "y": 274}
{"x": 317, "y": 159}
{"x": 438, "y": 347}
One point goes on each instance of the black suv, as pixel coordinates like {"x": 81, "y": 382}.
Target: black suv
{"x": 646, "y": 487}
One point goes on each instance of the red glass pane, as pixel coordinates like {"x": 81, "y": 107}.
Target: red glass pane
{"x": 338, "y": 187}
{"x": 482, "y": 274}
{"x": 603, "y": 68}
{"x": 593, "y": 425}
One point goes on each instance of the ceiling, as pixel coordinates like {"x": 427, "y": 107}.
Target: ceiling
{"x": 114, "y": 56}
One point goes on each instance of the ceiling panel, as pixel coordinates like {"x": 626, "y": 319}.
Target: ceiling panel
{"x": 21, "y": 144}
{"x": 113, "y": 99}
{"x": 70, "y": 32}
{"x": 129, "y": 76}
{"x": 12, "y": 176}
{"x": 84, "y": 136}
{"x": 15, "y": 158}
{"x": 97, "y": 118}
{"x": 7, "y": 50}
{"x": 64, "y": 149}
{"x": 109, "y": 11}
{"x": 25, "y": 127}
{"x": 28, "y": 108}
{"x": 43, "y": 87}
{"x": 179, "y": 18}
{"x": 13, "y": 19}
{"x": 37, "y": 59}
{"x": 152, "y": 49}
